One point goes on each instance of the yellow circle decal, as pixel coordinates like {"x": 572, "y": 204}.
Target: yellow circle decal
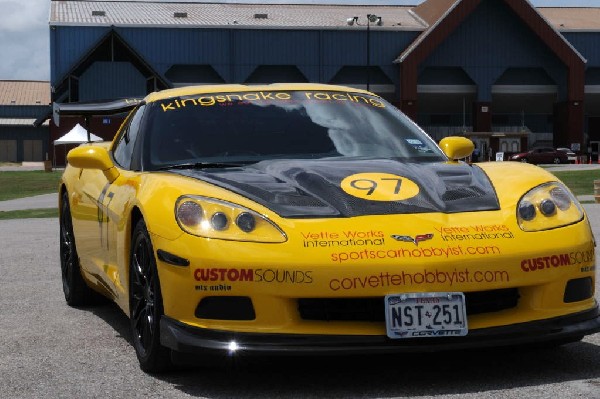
{"x": 379, "y": 187}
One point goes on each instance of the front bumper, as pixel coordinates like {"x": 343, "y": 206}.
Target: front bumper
{"x": 182, "y": 338}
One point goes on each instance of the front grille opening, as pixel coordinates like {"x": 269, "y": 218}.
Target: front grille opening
{"x": 372, "y": 309}
{"x": 225, "y": 308}
{"x": 491, "y": 301}
{"x": 579, "y": 289}
{"x": 341, "y": 309}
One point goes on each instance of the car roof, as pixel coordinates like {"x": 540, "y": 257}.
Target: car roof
{"x": 233, "y": 88}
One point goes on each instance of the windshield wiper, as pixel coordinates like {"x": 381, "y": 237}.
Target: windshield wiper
{"x": 201, "y": 165}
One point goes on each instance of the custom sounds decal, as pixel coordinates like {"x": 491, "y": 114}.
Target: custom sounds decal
{"x": 220, "y": 277}
{"x": 379, "y": 187}
{"x": 576, "y": 258}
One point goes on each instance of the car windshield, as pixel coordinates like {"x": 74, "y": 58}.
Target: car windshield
{"x": 248, "y": 127}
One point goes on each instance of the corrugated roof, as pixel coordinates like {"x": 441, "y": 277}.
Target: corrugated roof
{"x": 243, "y": 15}
{"x": 24, "y": 92}
{"x": 17, "y": 122}
{"x": 564, "y": 18}
{"x": 432, "y": 10}
{"x": 282, "y": 15}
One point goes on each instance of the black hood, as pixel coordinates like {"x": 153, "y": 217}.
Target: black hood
{"x": 311, "y": 188}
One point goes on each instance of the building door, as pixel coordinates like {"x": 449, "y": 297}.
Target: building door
{"x": 8, "y": 150}
{"x": 32, "y": 151}
{"x": 594, "y": 150}
{"x": 481, "y": 145}
{"x": 510, "y": 145}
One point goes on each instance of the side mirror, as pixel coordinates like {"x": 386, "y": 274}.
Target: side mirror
{"x": 93, "y": 157}
{"x": 457, "y": 148}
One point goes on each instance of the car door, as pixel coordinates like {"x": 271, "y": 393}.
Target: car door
{"x": 534, "y": 156}
{"x": 98, "y": 214}
{"x": 118, "y": 200}
{"x": 547, "y": 155}
{"x": 89, "y": 221}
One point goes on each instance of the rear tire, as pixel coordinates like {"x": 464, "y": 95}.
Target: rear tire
{"x": 145, "y": 304}
{"x": 556, "y": 161}
{"x": 77, "y": 292}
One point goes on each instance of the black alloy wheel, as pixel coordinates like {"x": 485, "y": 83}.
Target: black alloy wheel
{"x": 145, "y": 303}
{"x": 77, "y": 292}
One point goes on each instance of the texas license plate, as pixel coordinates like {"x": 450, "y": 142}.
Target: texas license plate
{"x": 430, "y": 314}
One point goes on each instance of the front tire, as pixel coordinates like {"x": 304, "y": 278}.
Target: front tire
{"x": 77, "y": 292}
{"x": 557, "y": 161}
{"x": 145, "y": 303}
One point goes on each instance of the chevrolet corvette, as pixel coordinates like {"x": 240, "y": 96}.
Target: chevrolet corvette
{"x": 316, "y": 219}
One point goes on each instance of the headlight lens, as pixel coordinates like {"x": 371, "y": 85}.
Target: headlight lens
{"x": 213, "y": 218}
{"x": 548, "y": 206}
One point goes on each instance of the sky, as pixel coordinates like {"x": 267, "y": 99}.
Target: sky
{"x": 25, "y": 43}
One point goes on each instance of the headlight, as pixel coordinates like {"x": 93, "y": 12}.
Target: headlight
{"x": 212, "y": 218}
{"x": 548, "y": 206}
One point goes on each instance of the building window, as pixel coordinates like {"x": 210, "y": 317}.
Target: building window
{"x": 276, "y": 74}
{"x": 187, "y": 74}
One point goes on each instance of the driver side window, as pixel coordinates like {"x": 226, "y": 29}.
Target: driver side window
{"x": 124, "y": 148}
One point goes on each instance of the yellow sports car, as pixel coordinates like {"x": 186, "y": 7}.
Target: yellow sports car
{"x": 316, "y": 219}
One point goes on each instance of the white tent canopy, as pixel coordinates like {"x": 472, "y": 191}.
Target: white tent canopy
{"x": 77, "y": 135}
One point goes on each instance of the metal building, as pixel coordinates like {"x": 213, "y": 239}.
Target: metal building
{"x": 502, "y": 72}
{"x": 21, "y": 103}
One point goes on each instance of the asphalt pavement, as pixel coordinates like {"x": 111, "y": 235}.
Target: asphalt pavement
{"x": 50, "y": 350}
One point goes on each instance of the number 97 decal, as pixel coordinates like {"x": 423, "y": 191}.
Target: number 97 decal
{"x": 379, "y": 187}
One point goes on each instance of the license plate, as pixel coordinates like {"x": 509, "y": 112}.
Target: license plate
{"x": 430, "y": 314}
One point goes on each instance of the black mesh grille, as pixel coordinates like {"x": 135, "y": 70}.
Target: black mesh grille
{"x": 456, "y": 194}
{"x": 372, "y": 309}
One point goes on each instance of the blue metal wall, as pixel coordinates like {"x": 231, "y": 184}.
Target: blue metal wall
{"x": 69, "y": 44}
{"x": 588, "y": 45}
{"x": 482, "y": 52}
{"x": 22, "y": 111}
{"x": 235, "y": 53}
{"x": 108, "y": 80}
{"x": 486, "y": 53}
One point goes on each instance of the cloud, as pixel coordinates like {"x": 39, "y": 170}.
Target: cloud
{"x": 24, "y": 40}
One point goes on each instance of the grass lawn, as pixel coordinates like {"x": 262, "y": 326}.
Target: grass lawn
{"x": 26, "y": 184}
{"x": 580, "y": 182}
{"x": 30, "y": 213}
